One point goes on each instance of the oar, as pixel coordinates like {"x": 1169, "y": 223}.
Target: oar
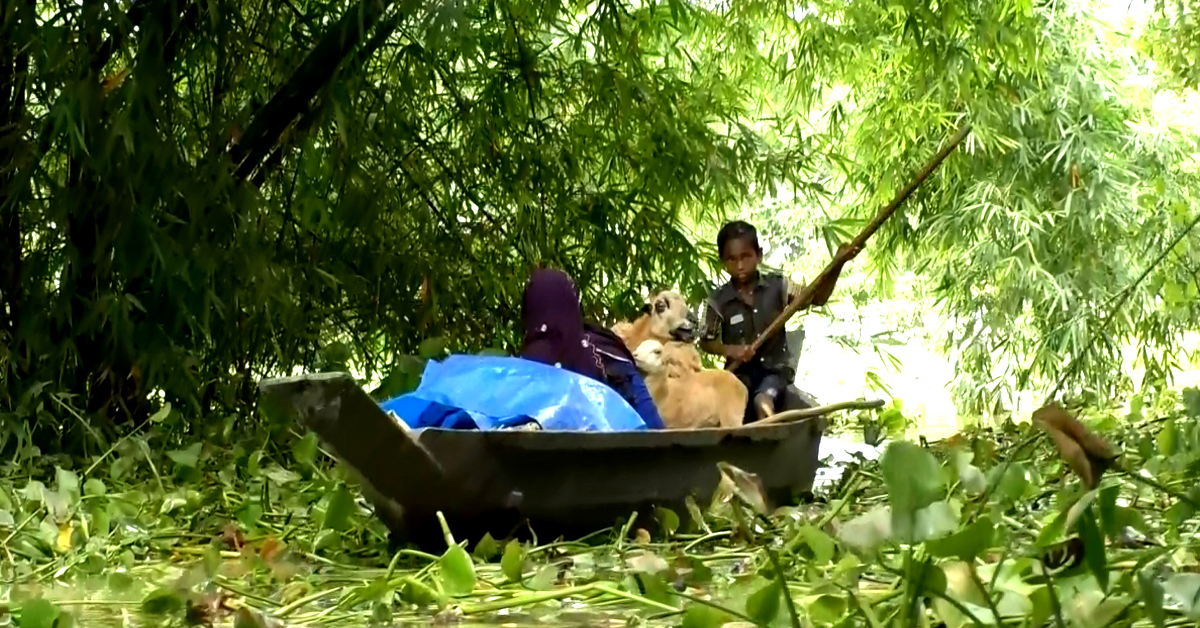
{"x": 806, "y": 413}
{"x": 805, "y": 297}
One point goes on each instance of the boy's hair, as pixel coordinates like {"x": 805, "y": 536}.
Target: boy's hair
{"x": 738, "y": 229}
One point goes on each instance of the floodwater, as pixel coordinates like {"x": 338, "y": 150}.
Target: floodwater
{"x": 114, "y": 600}
{"x": 836, "y": 451}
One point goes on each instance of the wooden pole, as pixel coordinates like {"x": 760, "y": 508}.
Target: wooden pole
{"x": 804, "y": 299}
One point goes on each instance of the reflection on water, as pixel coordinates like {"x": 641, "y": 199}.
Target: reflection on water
{"x": 835, "y": 452}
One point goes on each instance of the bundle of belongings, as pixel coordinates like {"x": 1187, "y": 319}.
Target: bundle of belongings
{"x": 491, "y": 392}
{"x": 572, "y": 376}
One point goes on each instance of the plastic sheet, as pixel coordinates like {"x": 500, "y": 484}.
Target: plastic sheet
{"x": 490, "y": 392}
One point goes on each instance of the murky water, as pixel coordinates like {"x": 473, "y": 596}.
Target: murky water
{"x": 114, "y": 600}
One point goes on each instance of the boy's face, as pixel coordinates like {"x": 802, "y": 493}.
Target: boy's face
{"x": 740, "y": 259}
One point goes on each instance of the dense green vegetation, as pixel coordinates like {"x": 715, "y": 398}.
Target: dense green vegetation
{"x": 981, "y": 530}
{"x": 203, "y": 194}
{"x": 197, "y": 195}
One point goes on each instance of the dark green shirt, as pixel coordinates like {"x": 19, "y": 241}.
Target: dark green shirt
{"x": 732, "y": 321}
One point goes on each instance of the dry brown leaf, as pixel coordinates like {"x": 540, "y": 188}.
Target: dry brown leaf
{"x": 114, "y": 80}
{"x": 746, "y": 486}
{"x": 271, "y": 549}
{"x": 1063, "y": 555}
{"x": 203, "y": 609}
{"x": 1088, "y": 455}
{"x": 232, "y": 536}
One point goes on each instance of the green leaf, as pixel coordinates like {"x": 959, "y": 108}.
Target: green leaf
{"x": 1093, "y": 548}
{"x": 416, "y": 592}
{"x": 869, "y": 530}
{"x": 119, "y": 582}
{"x": 827, "y": 609}
{"x": 654, "y": 587}
{"x": 187, "y": 458}
{"x": 512, "y": 563}
{"x": 162, "y": 601}
{"x": 458, "y": 572}
{"x": 763, "y": 605}
{"x": 1184, "y": 588}
{"x": 338, "y": 510}
{"x": 668, "y": 520}
{"x": 252, "y": 463}
{"x": 381, "y": 614}
{"x": 1109, "y": 513}
{"x": 933, "y": 521}
{"x": 66, "y": 481}
{"x": 544, "y": 578}
{"x": 249, "y": 515}
{"x": 967, "y": 544}
{"x": 1152, "y": 598}
{"x": 281, "y": 476}
{"x": 38, "y": 613}
{"x": 94, "y": 488}
{"x": 702, "y": 616}
{"x": 304, "y": 450}
{"x": 1053, "y": 530}
{"x": 969, "y": 476}
{"x": 326, "y": 539}
{"x": 820, "y": 544}
{"x": 212, "y": 560}
{"x": 432, "y": 348}
{"x": 1168, "y": 438}
{"x": 120, "y": 466}
{"x": 34, "y": 491}
{"x": 1191, "y": 401}
{"x": 932, "y": 578}
{"x": 486, "y": 548}
{"x": 161, "y": 414}
{"x": 912, "y": 476}
{"x": 1014, "y": 483}
{"x": 1083, "y": 505}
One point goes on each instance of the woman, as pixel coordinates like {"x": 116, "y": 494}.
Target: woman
{"x": 556, "y": 334}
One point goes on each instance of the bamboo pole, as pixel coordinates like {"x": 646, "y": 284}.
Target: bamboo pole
{"x": 804, "y": 299}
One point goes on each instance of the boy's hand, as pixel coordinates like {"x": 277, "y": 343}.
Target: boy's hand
{"x": 741, "y": 353}
{"x": 794, "y": 289}
{"x": 849, "y": 250}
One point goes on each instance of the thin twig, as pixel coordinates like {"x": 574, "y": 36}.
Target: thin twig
{"x": 1128, "y": 291}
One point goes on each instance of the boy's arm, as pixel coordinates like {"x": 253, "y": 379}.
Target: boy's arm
{"x": 825, "y": 287}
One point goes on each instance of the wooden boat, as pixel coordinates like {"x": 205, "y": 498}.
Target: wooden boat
{"x": 557, "y": 483}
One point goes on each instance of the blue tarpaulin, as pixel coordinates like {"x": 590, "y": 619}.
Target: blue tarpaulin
{"x": 491, "y": 392}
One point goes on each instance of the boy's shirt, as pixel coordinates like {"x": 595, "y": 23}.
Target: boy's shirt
{"x": 729, "y": 319}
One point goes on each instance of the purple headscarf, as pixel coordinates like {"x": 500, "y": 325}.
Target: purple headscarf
{"x": 555, "y": 332}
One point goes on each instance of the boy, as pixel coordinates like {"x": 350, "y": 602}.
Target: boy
{"x": 744, "y": 307}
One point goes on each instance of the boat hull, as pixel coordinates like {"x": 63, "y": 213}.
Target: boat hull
{"x": 511, "y": 482}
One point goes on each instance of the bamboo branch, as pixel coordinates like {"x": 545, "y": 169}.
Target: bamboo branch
{"x": 317, "y": 69}
{"x": 1118, "y": 304}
